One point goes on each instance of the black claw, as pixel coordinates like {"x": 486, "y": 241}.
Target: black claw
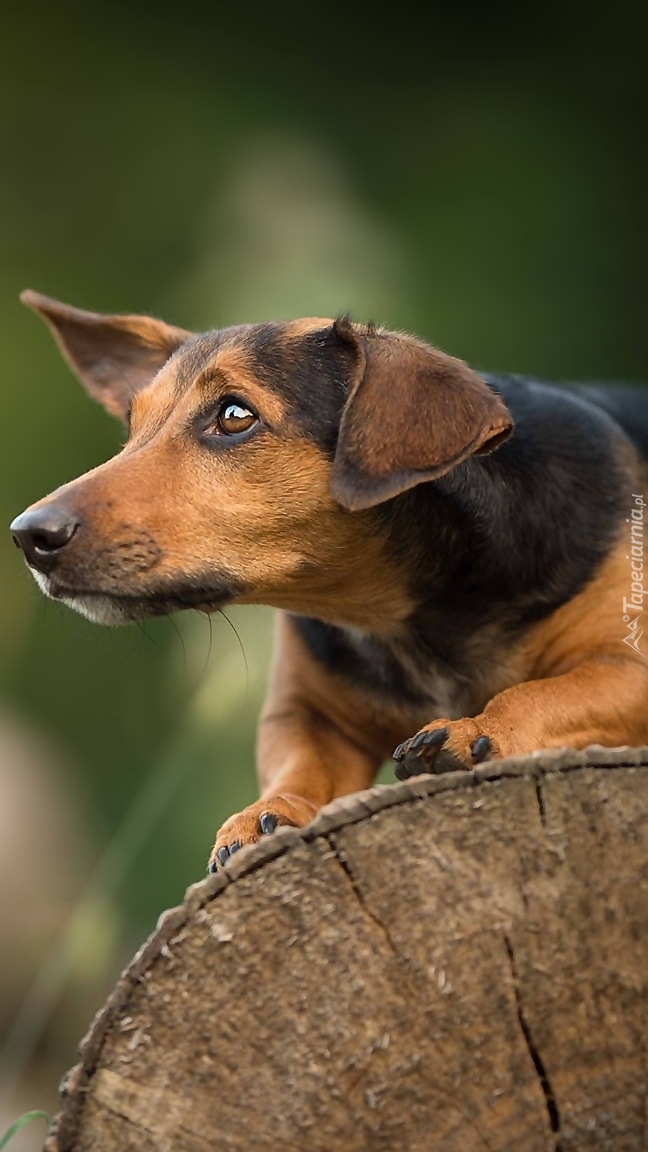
{"x": 212, "y": 866}
{"x": 402, "y": 772}
{"x": 428, "y": 739}
{"x": 267, "y": 823}
{"x": 480, "y": 749}
{"x": 223, "y": 855}
{"x": 432, "y": 739}
{"x": 234, "y": 847}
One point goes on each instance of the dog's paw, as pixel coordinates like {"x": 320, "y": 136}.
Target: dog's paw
{"x": 444, "y": 746}
{"x": 260, "y": 819}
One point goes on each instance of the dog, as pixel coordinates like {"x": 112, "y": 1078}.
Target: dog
{"x": 455, "y": 557}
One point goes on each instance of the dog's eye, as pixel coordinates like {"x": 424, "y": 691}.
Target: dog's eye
{"x": 233, "y": 418}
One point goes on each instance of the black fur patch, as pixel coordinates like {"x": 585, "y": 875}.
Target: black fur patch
{"x": 627, "y": 404}
{"x": 309, "y": 371}
{"x": 365, "y": 660}
{"x": 500, "y": 541}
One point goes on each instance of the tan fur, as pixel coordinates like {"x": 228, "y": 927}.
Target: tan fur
{"x": 580, "y": 683}
{"x": 113, "y": 356}
{"x": 264, "y": 513}
{"x": 392, "y": 438}
{"x": 590, "y": 624}
{"x": 318, "y": 739}
{"x": 274, "y": 516}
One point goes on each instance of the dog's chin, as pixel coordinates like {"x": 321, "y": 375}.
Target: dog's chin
{"x": 101, "y": 609}
{"x": 114, "y": 609}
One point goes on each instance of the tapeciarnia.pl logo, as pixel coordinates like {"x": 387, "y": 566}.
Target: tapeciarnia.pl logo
{"x": 631, "y": 616}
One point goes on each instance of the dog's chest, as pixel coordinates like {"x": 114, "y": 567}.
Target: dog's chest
{"x": 401, "y": 675}
{"x": 404, "y": 677}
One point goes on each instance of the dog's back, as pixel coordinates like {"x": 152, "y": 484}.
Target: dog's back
{"x": 627, "y": 404}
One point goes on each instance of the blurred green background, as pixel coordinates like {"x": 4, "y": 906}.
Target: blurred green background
{"x": 459, "y": 170}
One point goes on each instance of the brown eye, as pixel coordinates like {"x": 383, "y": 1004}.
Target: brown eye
{"x": 234, "y": 418}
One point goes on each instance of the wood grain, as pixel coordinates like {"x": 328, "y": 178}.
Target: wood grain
{"x": 452, "y": 964}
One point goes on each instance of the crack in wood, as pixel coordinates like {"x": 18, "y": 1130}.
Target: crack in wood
{"x": 538, "y": 1063}
{"x": 349, "y": 873}
{"x": 331, "y": 825}
{"x": 541, "y": 803}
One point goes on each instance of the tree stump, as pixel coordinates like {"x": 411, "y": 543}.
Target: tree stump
{"x": 451, "y": 964}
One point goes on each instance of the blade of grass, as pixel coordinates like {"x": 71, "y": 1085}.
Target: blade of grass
{"x": 111, "y": 870}
{"x": 26, "y": 1118}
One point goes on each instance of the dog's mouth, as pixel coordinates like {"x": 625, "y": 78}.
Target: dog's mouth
{"x": 109, "y": 607}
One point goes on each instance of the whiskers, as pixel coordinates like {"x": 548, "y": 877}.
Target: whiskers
{"x": 182, "y": 645}
{"x": 221, "y": 612}
{"x": 191, "y": 688}
{"x": 209, "y": 649}
{"x": 141, "y": 628}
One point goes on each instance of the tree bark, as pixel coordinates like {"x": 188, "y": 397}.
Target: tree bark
{"x": 451, "y": 964}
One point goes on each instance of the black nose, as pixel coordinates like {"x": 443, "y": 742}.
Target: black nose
{"x": 43, "y": 533}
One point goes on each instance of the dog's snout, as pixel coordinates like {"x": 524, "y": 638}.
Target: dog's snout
{"x": 42, "y": 533}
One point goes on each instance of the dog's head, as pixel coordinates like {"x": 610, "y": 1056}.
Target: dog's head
{"x": 255, "y": 459}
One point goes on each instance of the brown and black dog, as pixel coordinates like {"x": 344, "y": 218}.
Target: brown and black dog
{"x": 441, "y": 574}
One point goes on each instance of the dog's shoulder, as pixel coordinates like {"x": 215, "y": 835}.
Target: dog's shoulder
{"x": 625, "y": 403}
{"x": 546, "y": 412}
{"x": 494, "y": 547}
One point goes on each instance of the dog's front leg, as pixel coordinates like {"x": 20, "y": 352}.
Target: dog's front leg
{"x": 603, "y": 700}
{"x": 315, "y": 743}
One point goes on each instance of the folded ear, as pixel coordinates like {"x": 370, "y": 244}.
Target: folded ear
{"x": 412, "y": 414}
{"x": 113, "y": 356}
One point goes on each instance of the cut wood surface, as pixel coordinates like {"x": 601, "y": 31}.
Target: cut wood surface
{"x": 451, "y": 964}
